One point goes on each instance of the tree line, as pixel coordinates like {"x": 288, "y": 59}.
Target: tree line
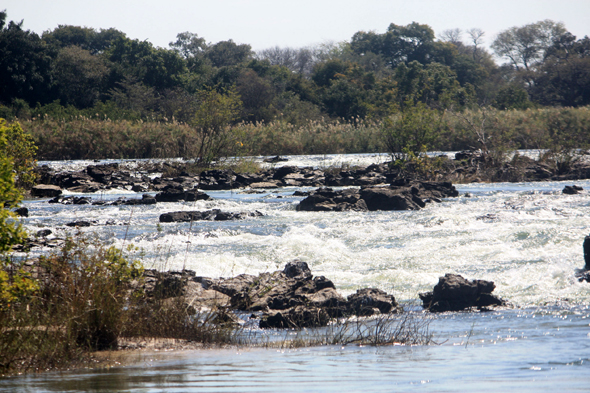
{"x": 73, "y": 70}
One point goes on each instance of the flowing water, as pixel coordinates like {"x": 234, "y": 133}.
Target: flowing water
{"x": 526, "y": 237}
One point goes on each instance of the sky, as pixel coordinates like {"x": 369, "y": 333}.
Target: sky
{"x": 293, "y": 23}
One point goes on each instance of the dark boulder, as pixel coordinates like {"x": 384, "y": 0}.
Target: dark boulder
{"x": 297, "y": 269}
{"x": 172, "y": 193}
{"x": 80, "y": 223}
{"x": 455, "y": 293}
{"x": 208, "y": 215}
{"x": 21, "y": 212}
{"x": 45, "y": 190}
{"x": 102, "y": 173}
{"x": 275, "y": 159}
{"x": 572, "y": 190}
{"x": 217, "y": 179}
{"x": 295, "y": 318}
{"x": 399, "y": 196}
{"x": 326, "y": 199}
{"x": 369, "y": 301}
{"x": 385, "y": 198}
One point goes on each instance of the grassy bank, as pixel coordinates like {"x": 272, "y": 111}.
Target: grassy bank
{"x": 85, "y": 138}
{"x": 85, "y": 297}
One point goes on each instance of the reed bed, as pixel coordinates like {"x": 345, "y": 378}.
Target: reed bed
{"x": 95, "y": 138}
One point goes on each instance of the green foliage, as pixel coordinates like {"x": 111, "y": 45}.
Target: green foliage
{"x": 512, "y": 97}
{"x": 14, "y": 284}
{"x": 410, "y": 131}
{"x": 211, "y": 124}
{"x": 87, "y": 291}
{"x": 19, "y": 147}
{"x": 25, "y": 64}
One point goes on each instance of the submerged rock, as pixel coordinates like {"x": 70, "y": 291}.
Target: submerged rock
{"x": 455, "y": 293}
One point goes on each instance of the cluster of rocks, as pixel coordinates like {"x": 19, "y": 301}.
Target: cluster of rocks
{"x": 294, "y": 298}
{"x": 455, "y": 293}
{"x": 400, "y": 195}
{"x": 208, "y": 215}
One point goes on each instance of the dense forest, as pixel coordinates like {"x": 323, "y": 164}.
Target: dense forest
{"x": 74, "y": 72}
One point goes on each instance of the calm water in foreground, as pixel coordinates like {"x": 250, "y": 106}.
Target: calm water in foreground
{"x": 526, "y": 237}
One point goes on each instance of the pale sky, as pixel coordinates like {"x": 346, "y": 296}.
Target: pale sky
{"x": 293, "y": 23}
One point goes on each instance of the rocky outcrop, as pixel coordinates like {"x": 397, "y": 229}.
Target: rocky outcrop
{"x": 293, "y": 298}
{"x": 45, "y": 190}
{"x": 176, "y": 194}
{"x": 326, "y": 199}
{"x": 208, "y": 215}
{"x": 399, "y": 196}
{"x": 572, "y": 190}
{"x": 455, "y": 293}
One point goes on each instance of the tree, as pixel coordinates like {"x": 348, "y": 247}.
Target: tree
{"x": 410, "y": 131}
{"x": 398, "y": 45}
{"x": 16, "y": 163}
{"x": 256, "y": 94}
{"x": 89, "y": 39}
{"x": 211, "y": 122}
{"x": 189, "y": 45}
{"x": 228, "y": 53}
{"x": 79, "y": 76}
{"x": 19, "y": 148}
{"x": 300, "y": 61}
{"x": 524, "y": 46}
{"x": 563, "y": 79}
{"x": 155, "y": 67}
{"x": 435, "y": 85}
{"x": 512, "y": 97}
{"x": 25, "y": 65}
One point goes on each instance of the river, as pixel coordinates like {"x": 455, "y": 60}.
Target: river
{"x": 526, "y": 237}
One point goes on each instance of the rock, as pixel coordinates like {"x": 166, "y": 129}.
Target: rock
{"x": 326, "y": 199}
{"x": 71, "y": 200}
{"x": 586, "y": 246}
{"x": 329, "y": 300}
{"x": 146, "y": 199}
{"x": 80, "y": 223}
{"x": 298, "y": 270}
{"x": 265, "y": 185}
{"x": 399, "y": 196}
{"x": 381, "y": 198}
{"x": 217, "y": 179}
{"x": 43, "y": 233}
{"x": 21, "y": 212}
{"x": 572, "y": 190}
{"x": 295, "y": 318}
{"x": 176, "y": 194}
{"x": 102, "y": 173}
{"x": 365, "y": 301}
{"x": 455, "y": 293}
{"x": 584, "y": 274}
{"x": 283, "y": 171}
{"x": 45, "y": 190}
{"x": 86, "y": 187}
{"x": 208, "y": 215}
{"x": 275, "y": 159}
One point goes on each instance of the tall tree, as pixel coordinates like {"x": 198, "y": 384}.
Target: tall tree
{"x": 25, "y": 65}
{"x": 79, "y": 76}
{"x": 524, "y": 46}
